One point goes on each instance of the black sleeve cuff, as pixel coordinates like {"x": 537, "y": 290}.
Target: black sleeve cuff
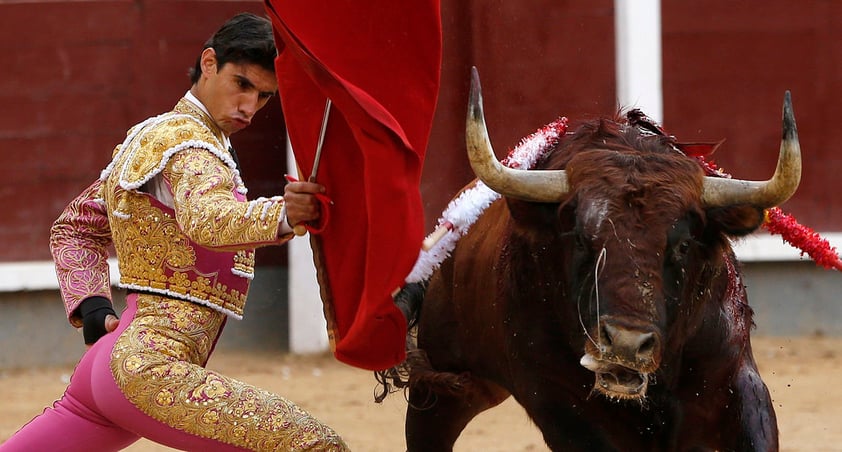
{"x": 91, "y": 304}
{"x": 94, "y": 310}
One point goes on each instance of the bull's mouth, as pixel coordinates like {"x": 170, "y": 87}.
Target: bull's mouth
{"x": 616, "y": 381}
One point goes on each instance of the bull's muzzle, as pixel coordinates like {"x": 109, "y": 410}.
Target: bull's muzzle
{"x": 622, "y": 360}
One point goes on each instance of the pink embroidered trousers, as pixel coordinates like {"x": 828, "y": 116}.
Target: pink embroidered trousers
{"x": 147, "y": 379}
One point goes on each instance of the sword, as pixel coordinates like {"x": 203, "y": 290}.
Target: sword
{"x": 300, "y": 229}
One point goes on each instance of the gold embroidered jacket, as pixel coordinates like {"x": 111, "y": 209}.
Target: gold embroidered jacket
{"x": 196, "y": 245}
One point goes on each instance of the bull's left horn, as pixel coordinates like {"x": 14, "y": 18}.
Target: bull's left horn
{"x": 535, "y": 185}
{"x": 770, "y": 193}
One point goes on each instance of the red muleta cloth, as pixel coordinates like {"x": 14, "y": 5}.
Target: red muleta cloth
{"x": 379, "y": 62}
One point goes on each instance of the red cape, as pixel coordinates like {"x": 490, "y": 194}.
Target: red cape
{"x": 379, "y": 62}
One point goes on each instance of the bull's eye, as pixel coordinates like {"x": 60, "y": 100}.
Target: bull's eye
{"x": 680, "y": 238}
{"x": 680, "y": 251}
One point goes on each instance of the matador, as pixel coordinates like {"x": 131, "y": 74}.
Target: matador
{"x": 174, "y": 207}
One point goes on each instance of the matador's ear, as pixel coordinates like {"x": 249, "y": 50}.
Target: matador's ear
{"x": 208, "y": 61}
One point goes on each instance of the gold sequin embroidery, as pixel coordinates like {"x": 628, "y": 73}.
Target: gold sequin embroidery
{"x": 157, "y": 363}
{"x": 206, "y": 208}
{"x": 165, "y": 249}
{"x": 148, "y": 241}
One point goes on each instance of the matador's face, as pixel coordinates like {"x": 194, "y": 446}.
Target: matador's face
{"x": 234, "y": 92}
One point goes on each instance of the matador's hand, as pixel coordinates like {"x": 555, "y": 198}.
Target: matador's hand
{"x": 301, "y": 203}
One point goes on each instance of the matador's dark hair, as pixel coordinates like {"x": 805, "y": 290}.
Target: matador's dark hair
{"x": 245, "y": 38}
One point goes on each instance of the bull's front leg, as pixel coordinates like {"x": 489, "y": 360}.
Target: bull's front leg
{"x": 757, "y": 421}
{"x": 441, "y": 404}
{"x": 569, "y": 420}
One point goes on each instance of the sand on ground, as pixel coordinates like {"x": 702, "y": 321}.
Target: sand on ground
{"x": 804, "y": 375}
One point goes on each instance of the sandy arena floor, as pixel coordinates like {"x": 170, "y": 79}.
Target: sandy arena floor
{"x": 803, "y": 374}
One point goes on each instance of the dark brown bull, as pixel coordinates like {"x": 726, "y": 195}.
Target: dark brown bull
{"x": 605, "y": 298}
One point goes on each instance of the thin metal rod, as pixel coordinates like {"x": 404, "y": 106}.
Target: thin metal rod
{"x": 322, "y": 131}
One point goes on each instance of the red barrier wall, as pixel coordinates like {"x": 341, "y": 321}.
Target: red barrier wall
{"x": 726, "y": 67}
{"x": 78, "y": 74}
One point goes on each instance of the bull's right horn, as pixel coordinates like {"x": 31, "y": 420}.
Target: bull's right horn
{"x": 724, "y": 192}
{"x": 533, "y": 185}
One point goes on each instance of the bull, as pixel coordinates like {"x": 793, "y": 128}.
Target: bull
{"x": 601, "y": 291}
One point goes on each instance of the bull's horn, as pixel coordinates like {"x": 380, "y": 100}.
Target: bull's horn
{"x": 770, "y": 193}
{"x": 535, "y": 185}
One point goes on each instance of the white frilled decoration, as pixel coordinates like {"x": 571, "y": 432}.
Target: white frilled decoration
{"x": 464, "y": 210}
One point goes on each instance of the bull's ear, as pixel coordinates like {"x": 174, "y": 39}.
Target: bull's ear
{"x": 538, "y": 216}
{"x": 736, "y": 221}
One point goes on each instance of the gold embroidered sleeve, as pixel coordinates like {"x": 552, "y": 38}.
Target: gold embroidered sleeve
{"x": 207, "y": 209}
{"x": 79, "y": 241}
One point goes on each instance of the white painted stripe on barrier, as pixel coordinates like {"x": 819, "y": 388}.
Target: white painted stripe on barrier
{"x": 307, "y": 325}
{"x": 637, "y": 25}
{"x": 40, "y": 275}
{"x": 772, "y": 248}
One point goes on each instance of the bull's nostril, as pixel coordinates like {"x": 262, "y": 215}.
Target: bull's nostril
{"x": 629, "y": 344}
{"x": 608, "y": 333}
{"x": 647, "y": 347}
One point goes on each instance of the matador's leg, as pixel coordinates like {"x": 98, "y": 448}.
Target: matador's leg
{"x": 157, "y": 363}
{"x": 147, "y": 379}
{"x": 69, "y": 426}
{"x": 157, "y": 367}
{"x": 74, "y": 423}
